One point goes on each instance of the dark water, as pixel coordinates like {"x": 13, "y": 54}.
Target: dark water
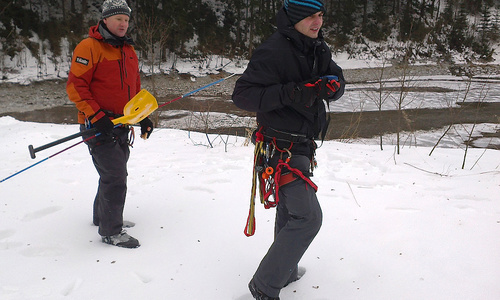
{"x": 343, "y": 124}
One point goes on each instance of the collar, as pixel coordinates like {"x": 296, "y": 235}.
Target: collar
{"x": 303, "y": 42}
{"x": 111, "y": 38}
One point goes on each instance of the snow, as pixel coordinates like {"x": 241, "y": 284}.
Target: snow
{"x": 408, "y": 226}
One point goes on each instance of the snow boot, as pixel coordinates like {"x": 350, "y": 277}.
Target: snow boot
{"x": 257, "y": 294}
{"x": 121, "y": 239}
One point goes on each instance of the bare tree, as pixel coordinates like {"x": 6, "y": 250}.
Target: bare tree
{"x": 468, "y": 142}
{"x": 379, "y": 95}
{"x": 468, "y": 139}
{"x": 452, "y": 114}
{"x": 153, "y": 35}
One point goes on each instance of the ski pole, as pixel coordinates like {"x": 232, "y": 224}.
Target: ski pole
{"x": 141, "y": 105}
{"x": 197, "y": 90}
{"x": 37, "y": 163}
{"x": 60, "y": 141}
{"x": 76, "y": 144}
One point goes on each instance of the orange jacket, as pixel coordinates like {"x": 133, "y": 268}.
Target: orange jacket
{"x": 102, "y": 77}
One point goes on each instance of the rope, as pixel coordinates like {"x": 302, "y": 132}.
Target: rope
{"x": 257, "y": 157}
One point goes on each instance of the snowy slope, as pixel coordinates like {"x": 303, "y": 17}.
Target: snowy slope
{"x": 408, "y": 226}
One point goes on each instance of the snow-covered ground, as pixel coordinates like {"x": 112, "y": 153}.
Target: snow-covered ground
{"x": 408, "y": 226}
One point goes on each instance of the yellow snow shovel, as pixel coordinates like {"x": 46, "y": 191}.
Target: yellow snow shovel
{"x": 138, "y": 108}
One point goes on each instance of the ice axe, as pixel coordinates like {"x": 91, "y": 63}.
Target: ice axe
{"x": 139, "y": 107}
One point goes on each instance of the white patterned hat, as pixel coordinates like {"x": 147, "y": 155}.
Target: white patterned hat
{"x": 115, "y": 7}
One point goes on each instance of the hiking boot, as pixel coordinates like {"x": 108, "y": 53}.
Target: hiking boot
{"x": 257, "y": 294}
{"x": 121, "y": 239}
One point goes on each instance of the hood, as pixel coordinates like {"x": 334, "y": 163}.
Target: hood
{"x": 101, "y": 32}
{"x": 94, "y": 32}
{"x": 303, "y": 42}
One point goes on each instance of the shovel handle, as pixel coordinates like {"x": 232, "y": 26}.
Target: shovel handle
{"x": 60, "y": 141}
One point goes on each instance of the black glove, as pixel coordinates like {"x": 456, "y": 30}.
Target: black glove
{"x": 146, "y": 128}
{"x": 104, "y": 126}
{"x": 328, "y": 86}
{"x": 306, "y": 92}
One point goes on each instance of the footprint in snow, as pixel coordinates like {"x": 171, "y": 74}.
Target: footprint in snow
{"x": 404, "y": 209}
{"x": 245, "y": 297}
{"x": 5, "y": 245}
{"x": 40, "y": 213}
{"x": 142, "y": 278}
{"x": 43, "y": 251}
{"x": 199, "y": 188}
{"x": 6, "y": 233}
{"x": 10, "y": 245}
{"x": 70, "y": 288}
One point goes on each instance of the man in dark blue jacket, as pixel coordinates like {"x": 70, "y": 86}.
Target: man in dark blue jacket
{"x": 287, "y": 82}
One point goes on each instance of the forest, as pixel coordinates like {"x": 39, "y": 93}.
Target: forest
{"x": 399, "y": 30}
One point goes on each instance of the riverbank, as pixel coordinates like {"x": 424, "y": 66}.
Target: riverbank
{"x": 211, "y": 109}
{"x": 51, "y": 93}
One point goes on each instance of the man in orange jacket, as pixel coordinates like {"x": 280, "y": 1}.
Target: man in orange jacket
{"x": 104, "y": 76}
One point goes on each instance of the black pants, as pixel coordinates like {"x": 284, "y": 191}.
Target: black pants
{"x": 110, "y": 156}
{"x": 298, "y": 220}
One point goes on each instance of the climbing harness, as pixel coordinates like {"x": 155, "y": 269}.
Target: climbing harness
{"x": 269, "y": 179}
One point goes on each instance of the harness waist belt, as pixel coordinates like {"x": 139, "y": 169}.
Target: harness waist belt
{"x": 285, "y": 136}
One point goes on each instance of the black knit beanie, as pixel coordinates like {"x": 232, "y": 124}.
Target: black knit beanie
{"x": 300, "y": 9}
{"x": 115, "y": 7}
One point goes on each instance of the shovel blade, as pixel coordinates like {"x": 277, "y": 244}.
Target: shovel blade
{"x": 138, "y": 108}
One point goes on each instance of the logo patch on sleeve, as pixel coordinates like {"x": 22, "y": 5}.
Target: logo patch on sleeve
{"x": 82, "y": 60}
